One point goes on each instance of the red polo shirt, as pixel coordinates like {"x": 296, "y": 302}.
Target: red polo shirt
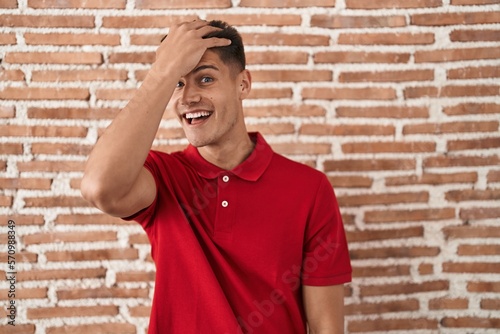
{"x": 232, "y": 248}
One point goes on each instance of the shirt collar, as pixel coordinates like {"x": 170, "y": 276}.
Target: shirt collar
{"x": 251, "y": 169}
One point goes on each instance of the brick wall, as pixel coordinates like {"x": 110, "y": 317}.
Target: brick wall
{"x": 397, "y": 101}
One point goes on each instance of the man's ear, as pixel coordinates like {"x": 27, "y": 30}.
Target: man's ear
{"x": 245, "y": 81}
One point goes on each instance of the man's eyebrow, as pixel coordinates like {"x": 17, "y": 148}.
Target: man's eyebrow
{"x": 204, "y": 67}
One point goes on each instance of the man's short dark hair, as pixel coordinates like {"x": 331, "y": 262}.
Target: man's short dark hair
{"x": 234, "y": 53}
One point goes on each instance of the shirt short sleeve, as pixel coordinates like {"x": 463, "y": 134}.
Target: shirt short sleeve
{"x": 326, "y": 257}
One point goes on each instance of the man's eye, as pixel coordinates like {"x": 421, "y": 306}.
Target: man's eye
{"x": 180, "y": 84}
{"x": 206, "y": 79}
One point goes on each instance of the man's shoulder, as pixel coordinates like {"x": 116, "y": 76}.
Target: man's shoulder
{"x": 296, "y": 169}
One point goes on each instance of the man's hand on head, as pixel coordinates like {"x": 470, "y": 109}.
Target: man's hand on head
{"x": 184, "y": 46}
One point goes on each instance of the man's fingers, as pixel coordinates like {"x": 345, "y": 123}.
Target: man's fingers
{"x": 217, "y": 42}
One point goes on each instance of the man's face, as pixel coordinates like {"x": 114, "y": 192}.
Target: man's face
{"x": 207, "y": 101}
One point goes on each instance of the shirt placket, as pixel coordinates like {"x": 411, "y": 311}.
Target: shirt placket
{"x": 226, "y": 205}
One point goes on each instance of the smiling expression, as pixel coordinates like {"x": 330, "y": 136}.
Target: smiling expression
{"x": 208, "y": 101}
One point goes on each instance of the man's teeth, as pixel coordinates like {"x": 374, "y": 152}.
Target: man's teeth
{"x": 197, "y": 114}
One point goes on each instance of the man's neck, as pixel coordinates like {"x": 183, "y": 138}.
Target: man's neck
{"x": 228, "y": 154}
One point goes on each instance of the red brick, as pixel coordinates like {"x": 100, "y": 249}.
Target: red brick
{"x": 490, "y": 304}
{"x": 381, "y": 271}
{"x": 277, "y": 57}
{"x": 7, "y": 112}
{"x": 394, "y": 252}
{"x": 386, "y": 38}
{"x": 278, "y": 20}
{"x": 383, "y": 199}
{"x": 47, "y": 21}
{"x": 11, "y": 148}
{"x": 51, "y": 166}
{"x": 468, "y": 267}
{"x": 17, "y": 329}
{"x": 8, "y": 4}
{"x": 150, "y": 39}
{"x": 402, "y": 112}
{"x": 140, "y": 311}
{"x": 86, "y": 4}
{"x": 426, "y": 269}
{"x": 265, "y": 129}
{"x": 473, "y": 2}
{"x": 12, "y": 75}
{"x": 382, "y": 307}
{"x": 66, "y": 237}
{"x": 80, "y": 75}
{"x": 61, "y": 149}
{"x": 448, "y": 304}
{"x": 443, "y": 19}
{"x": 330, "y": 93}
{"x": 109, "y": 94}
{"x": 478, "y": 250}
{"x": 60, "y": 274}
{"x": 388, "y": 147}
{"x": 385, "y": 325}
{"x": 415, "y": 215}
{"x": 432, "y": 179}
{"x": 132, "y": 57}
{"x": 72, "y": 113}
{"x": 25, "y": 183}
{"x": 57, "y": 201}
{"x": 449, "y": 55}
{"x": 6, "y": 201}
{"x": 35, "y": 93}
{"x": 387, "y": 76}
{"x": 345, "y": 21}
{"x": 138, "y": 276}
{"x": 93, "y": 255}
{"x": 493, "y": 176}
{"x": 175, "y": 4}
{"x": 466, "y": 232}
{"x": 350, "y": 165}
{"x": 139, "y": 238}
{"x": 285, "y": 39}
{"x": 385, "y": 234}
{"x": 80, "y": 58}
{"x": 470, "y": 322}
{"x": 472, "y": 109}
{"x": 291, "y": 75}
{"x": 461, "y": 161}
{"x": 302, "y": 148}
{"x": 26, "y": 293}
{"x": 350, "y": 181}
{"x": 285, "y": 110}
{"x": 287, "y": 3}
{"x": 475, "y": 35}
{"x": 42, "y": 131}
{"x": 98, "y": 219}
{"x": 474, "y": 72}
{"x": 479, "y": 213}
{"x": 71, "y": 39}
{"x": 71, "y": 311}
{"x": 404, "y": 288}
{"x": 271, "y": 93}
{"x": 7, "y": 39}
{"x": 25, "y": 220}
{"x": 472, "y": 195}
{"x": 473, "y": 144}
{"x": 23, "y": 256}
{"x": 153, "y": 21}
{"x": 451, "y": 91}
{"x": 75, "y": 294}
{"x": 451, "y": 127}
{"x": 493, "y": 287}
{"x": 108, "y": 328}
{"x": 335, "y": 57}
{"x": 346, "y": 130}
{"x": 369, "y": 4}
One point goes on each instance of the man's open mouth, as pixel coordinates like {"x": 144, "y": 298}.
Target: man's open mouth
{"x": 196, "y": 117}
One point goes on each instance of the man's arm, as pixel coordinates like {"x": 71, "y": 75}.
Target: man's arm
{"x": 115, "y": 180}
{"x": 324, "y": 308}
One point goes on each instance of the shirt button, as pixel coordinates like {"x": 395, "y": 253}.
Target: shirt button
{"x": 225, "y": 204}
{"x": 225, "y": 178}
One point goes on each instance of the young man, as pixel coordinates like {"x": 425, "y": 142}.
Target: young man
{"x": 244, "y": 240}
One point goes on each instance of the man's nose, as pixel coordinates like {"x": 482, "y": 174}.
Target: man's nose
{"x": 190, "y": 95}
